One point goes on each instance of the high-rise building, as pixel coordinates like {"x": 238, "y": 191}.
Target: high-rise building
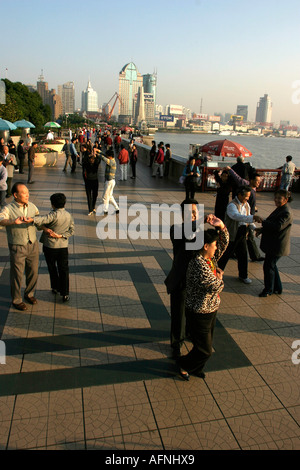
{"x": 242, "y": 110}
{"x": 49, "y": 97}
{"x": 89, "y": 99}
{"x": 264, "y": 110}
{"x": 149, "y": 83}
{"x": 130, "y": 80}
{"x": 67, "y": 95}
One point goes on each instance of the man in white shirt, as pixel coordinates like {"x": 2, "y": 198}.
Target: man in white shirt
{"x": 50, "y": 136}
{"x": 237, "y": 220}
{"x": 287, "y": 173}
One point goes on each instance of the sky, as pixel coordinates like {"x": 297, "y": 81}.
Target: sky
{"x": 221, "y": 53}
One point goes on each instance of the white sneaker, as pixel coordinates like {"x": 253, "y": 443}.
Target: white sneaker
{"x": 90, "y": 213}
{"x": 245, "y": 281}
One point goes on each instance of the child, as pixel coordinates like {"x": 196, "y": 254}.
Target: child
{"x": 57, "y": 227}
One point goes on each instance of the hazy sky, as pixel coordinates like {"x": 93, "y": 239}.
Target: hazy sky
{"x": 225, "y": 52}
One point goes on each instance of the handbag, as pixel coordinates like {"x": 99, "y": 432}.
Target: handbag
{"x": 182, "y": 179}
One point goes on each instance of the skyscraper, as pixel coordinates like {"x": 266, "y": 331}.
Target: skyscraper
{"x": 130, "y": 80}
{"x": 264, "y": 110}
{"x": 149, "y": 82}
{"x": 89, "y": 99}
{"x": 67, "y": 94}
{"x": 242, "y": 110}
{"x": 49, "y": 97}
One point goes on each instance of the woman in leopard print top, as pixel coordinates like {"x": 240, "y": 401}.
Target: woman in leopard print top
{"x": 204, "y": 285}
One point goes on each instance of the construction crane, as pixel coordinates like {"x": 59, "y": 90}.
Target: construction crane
{"x": 109, "y": 115}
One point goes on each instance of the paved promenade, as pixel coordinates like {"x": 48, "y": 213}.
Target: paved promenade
{"x": 97, "y": 373}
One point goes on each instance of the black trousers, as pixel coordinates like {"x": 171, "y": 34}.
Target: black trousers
{"x": 201, "y": 330}
{"x": 239, "y": 247}
{"x": 177, "y": 300}
{"x": 57, "y": 260}
{"x": 91, "y": 189}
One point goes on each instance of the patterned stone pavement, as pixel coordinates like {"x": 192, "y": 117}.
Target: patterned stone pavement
{"x": 96, "y": 373}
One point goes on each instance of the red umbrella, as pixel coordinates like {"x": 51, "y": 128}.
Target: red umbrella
{"x": 225, "y": 148}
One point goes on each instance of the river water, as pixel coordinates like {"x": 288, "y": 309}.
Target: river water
{"x": 268, "y": 152}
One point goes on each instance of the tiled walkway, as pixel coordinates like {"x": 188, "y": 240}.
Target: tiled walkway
{"x": 96, "y": 373}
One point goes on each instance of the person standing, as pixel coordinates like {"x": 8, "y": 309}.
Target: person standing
{"x": 3, "y": 184}
{"x": 31, "y": 158}
{"x": 191, "y": 173}
{"x": 168, "y": 157}
{"x": 90, "y": 166}
{"x": 10, "y": 162}
{"x": 133, "y": 160}
{"x": 28, "y": 141}
{"x": 22, "y": 244}
{"x": 204, "y": 283}
{"x": 110, "y": 174}
{"x": 74, "y": 154}
{"x": 223, "y": 191}
{"x": 275, "y": 241}
{"x": 176, "y": 279}
{"x": 237, "y": 220}
{"x": 123, "y": 158}
{"x": 287, "y": 173}
{"x": 152, "y": 153}
{"x": 58, "y": 227}
{"x": 159, "y": 161}
{"x": 21, "y": 156}
{"x": 67, "y": 149}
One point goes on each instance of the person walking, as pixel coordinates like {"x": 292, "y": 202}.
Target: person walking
{"x": 67, "y": 149}
{"x": 204, "y": 283}
{"x": 31, "y": 159}
{"x": 123, "y": 158}
{"x": 287, "y": 173}
{"x": 58, "y": 227}
{"x": 22, "y": 244}
{"x": 90, "y": 166}
{"x": 110, "y": 174}
{"x": 275, "y": 241}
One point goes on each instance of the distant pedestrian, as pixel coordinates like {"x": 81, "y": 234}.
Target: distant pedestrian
{"x": 3, "y": 183}
{"x": 74, "y": 154}
{"x": 133, "y": 160}
{"x": 191, "y": 173}
{"x": 287, "y": 173}
{"x": 10, "y": 162}
{"x": 159, "y": 161}
{"x": 21, "y": 155}
{"x": 58, "y": 227}
{"x": 31, "y": 161}
{"x": 168, "y": 157}
{"x": 90, "y": 166}
{"x": 152, "y": 153}
{"x": 123, "y": 158}
{"x": 67, "y": 149}
{"x": 110, "y": 174}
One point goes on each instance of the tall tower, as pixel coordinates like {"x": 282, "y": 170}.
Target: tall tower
{"x": 149, "y": 82}
{"x": 89, "y": 99}
{"x": 130, "y": 80}
{"x": 67, "y": 94}
{"x": 264, "y": 110}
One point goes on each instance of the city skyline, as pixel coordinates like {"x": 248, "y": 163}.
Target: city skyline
{"x": 220, "y": 54}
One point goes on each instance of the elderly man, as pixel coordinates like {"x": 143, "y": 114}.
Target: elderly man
{"x": 10, "y": 162}
{"x": 238, "y": 218}
{"x": 23, "y": 245}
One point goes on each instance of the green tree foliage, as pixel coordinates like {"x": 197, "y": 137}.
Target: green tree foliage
{"x": 24, "y": 104}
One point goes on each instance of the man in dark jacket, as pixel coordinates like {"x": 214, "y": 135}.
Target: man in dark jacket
{"x": 31, "y": 157}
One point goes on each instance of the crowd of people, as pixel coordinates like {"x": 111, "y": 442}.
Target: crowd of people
{"x": 196, "y": 278}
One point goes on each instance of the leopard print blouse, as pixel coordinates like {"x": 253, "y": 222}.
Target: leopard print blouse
{"x": 202, "y": 286}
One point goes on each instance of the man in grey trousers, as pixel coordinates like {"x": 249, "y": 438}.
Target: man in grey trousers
{"x": 23, "y": 245}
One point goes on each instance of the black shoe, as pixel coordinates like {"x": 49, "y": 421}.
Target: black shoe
{"x": 278, "y": 292}
{"x": 55, "y": 291}
{"x": 66, "y": 298}
{"x": 199, "y": 373}
{"x": 264, "y": 293}
{"x": 184, "y": 374}
{"x": 261, "y": 258}
{"x": 117, "y": 211}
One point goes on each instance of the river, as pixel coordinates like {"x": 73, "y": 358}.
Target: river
{"x": 268, "y": 152}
